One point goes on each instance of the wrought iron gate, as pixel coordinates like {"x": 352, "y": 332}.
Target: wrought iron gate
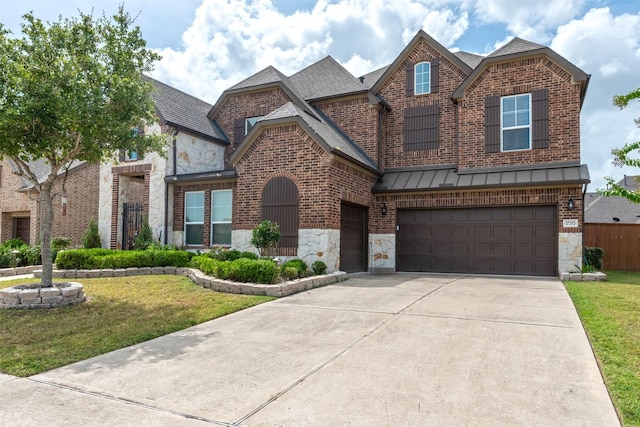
{"x": 131, "y": 223}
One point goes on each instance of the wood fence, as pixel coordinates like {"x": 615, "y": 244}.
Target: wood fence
{"x": 621, "y": 244}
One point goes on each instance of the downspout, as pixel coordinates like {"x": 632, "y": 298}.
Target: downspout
{"x": 584, "y": 227}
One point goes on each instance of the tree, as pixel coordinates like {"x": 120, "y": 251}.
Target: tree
{"x": 266, "y": 237}
{"x": 72, "y": 90}
{"x": 621, "y": 156}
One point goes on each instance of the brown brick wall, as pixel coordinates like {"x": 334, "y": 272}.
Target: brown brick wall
{"x": 491, "y": 197}
{"x": 245, "y": 105}
{"x": 83, "y": 191}
{"x": 518, "y": 77}
{"x": 358, "y": 119}
{"x": 394, "y": 92}
{"x": 322, "y": 180}
{"x": 15, "y": 204}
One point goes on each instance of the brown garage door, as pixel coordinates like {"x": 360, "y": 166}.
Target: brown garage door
{"x": 500, "y": 240}
{"x": 353, "y": 238}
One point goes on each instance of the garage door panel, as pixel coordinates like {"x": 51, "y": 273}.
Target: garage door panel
{"x": 501, "y": 240}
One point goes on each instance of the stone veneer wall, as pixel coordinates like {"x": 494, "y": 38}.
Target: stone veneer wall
{"x": 569, "y": 252}
{"x": 382, "y": 253}
{"x": 313, "y": 245}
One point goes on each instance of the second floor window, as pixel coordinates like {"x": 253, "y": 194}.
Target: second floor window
{"x": 422, "y": 77}
{"x": 516, "y": 122}
{"x": 249, "y": 123}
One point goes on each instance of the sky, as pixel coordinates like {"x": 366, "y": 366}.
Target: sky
{"x": 209, "y": 45}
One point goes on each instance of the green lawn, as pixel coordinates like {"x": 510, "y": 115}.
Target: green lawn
{"x": 119, "y": 312}
{"x": 610, "y": 312}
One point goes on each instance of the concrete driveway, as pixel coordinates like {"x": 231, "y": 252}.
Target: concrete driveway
{"x": 376, "y": 350}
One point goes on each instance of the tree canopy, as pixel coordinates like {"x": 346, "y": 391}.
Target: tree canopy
{"x": 623, "y": 156}
{"x": 73, "y": 90}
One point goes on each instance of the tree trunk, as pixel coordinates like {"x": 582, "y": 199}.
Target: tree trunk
{"x": 46, "y": 222}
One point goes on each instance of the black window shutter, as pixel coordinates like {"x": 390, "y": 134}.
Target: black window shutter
{"x": 238, "y": 131}
{"x": 410, "y": 83}
{"x": 540, "y": 118}
{"x": 121, "y": 155}
{"x": 435, "y": 77}
{"x": 421, "y": 127}
{"x": 492, "y": 124}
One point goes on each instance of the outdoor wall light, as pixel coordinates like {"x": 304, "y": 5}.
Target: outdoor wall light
{"x": 383, "y": 209}
{"x": 570, "y": 204}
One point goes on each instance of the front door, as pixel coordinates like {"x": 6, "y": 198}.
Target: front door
{"x": 353, "y": 238}
{"x": 22, "y": 229}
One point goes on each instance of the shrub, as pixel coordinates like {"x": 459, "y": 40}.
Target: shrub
{"x": 239, "y": 270}
{"x": 249, "y": 255}
{"x": 13, "y": 243}
{"x": 145, "y": 238}
{"x": 222, "y": 254}
{"x": 105, "y": 258}
{"x": 265, "y": 237}
{"x": 289, "y": 273}
{"x": 594, "y": 257}
{"x": 91, "y": 237}
{"x": 60, "y": 243}
{"x": 298, "y": 264}
{"x": 319, "y": 268}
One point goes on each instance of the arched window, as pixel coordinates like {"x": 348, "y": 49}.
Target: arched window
{"x": 422, "y": 78}
{"x": 280, "y": 205}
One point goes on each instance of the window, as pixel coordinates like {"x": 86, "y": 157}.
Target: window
{"x": 221, "y": 208}
{"x": 516, "y": 122}
{"x": 193, "y": 218}
{"x": 249, "y": 123}
{"x": 131, "y": 155}
{"x": 422, "y": 78}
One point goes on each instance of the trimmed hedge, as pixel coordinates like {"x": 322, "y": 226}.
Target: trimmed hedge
{"x": 298, "y": 264}
{"x": 239, "y": 270}
{"x": 90, "y": 259}
{"x": 594, "y": 257}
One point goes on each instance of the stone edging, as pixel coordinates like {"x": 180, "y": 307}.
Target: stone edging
{"x": 6, "y": 272}
{"x": 199, "y": 278}
{"x": 584, "y": 277}
{"x": 59, "y": 295}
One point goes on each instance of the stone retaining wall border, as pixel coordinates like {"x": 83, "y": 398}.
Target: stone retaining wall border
{"x": 199, "y": 278}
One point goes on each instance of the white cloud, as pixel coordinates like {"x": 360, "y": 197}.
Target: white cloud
{"x": 611, "y": 57}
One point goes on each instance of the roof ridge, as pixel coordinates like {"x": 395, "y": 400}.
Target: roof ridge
{"x": 177, "y": 90}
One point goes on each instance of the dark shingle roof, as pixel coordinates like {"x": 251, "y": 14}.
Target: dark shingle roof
{"x": 603, "y": 209}
{"x": 184, "y": 111}
{"x": 516, "y": 45}
{"x": 471, "y": 59}
{"x": 333, "y": 140}
{"x": 371, "y": 78}
{"x": 325, "y": 78}
{"x": 446, "y": 177}
{"x": 262, "y": 77}
{"x": 41, "y": 170}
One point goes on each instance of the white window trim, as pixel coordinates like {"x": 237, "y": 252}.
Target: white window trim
{"x": 184, "y": 239}
{"x": 502, "y": 128}
{"x": 246, "y": 123}
{"x": 219, "y": 222}
{"x": 415, "y": 79}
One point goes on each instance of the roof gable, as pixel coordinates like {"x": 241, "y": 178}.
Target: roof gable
{"x": 321, "y": 130}
{"x": 421, "y": 35}
{"x": 471, "y": 59}
{"x": 185, "y": 112}
{"x": 518, "y": 49}
{"x": 326, "y": 78}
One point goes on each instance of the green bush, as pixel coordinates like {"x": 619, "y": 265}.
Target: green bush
{"x": 91, "y": 237}
{"x": 298, "y": 264}
{"x": 266, "y": 237}
{"x": 249, "y": 255}
{"x": 83, "y": 259}
{"x": 239, "y": 270}
{"x": 289, "y": 273}
{"x": 594, "y": 257}
{"x": 60, "y": 243}
{"x": 13, "y": 243}
{"x": 222, "y": 254}
{"x": 145, "y": 238}
{"x": 319, "y": 268}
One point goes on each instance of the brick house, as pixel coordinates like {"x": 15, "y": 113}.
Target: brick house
{"x": 19, "y": 208}
{"x": 439, "y": 162}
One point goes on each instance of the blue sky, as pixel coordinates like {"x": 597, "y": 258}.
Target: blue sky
{"x": 209, "y": 45}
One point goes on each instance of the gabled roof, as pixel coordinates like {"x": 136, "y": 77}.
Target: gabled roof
{"x": 371, "y": 78}
{"x": 321, "y": 130}
{"x": 518, "y": 49}
{"x": 264, "y": 79}
{"x": 41, "y": 170}
{"x": 421, "y": 35}
{"x": 471, "y": 59}
{"x": 613, "y": 209}
{"x": 185, "y": 112}
{"x": 446, "y": 177}
{"x": 326, "y": 78}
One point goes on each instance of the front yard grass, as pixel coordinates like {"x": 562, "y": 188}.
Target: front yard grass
{"x": 119, "y": 312}
{"x": 610, "y": 313}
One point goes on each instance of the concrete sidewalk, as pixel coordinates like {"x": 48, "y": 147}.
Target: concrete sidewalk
{"x": 385, "y": 350}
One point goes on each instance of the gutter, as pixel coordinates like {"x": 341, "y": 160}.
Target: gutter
{"x": 174, "y": 150}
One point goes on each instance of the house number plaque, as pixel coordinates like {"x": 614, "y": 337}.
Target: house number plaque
{"x": 570, "y": 223}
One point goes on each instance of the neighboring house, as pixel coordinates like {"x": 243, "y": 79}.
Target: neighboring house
{"x": 613, "y": 209}
{"x": 19, "y": 207}
{"x": 439, "y": 162}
